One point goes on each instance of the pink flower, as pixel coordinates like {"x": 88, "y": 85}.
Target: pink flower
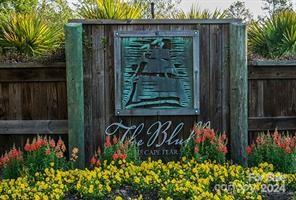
{"x": 196, "y": 149}
{"x": 52, "y": 143}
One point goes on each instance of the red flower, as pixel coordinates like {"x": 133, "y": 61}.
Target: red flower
{"x": 93, "y": 160}
{"x": 123, "y": 156}
{"x": 107, "y": 143}
{"x": 198, "y": 140}
{"x": 197, "y": 131}
{"x": 223, "y": 149}
{"x": 115, "y": 156}
{"x": 28, "y": 147}
{"x": 249, "y": 149}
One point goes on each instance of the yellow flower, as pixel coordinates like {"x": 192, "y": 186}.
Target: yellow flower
{"x": 108, "y": 188}
{"x": 118, "y": 198}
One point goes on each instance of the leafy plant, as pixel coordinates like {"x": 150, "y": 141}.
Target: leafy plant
{"x": 196, "y": 13}
{"x": 205, "y": 145}
{"x": 275, "y": 149}
{"x": 109, "y": 9}
{"x": 275, "y": 36}
{"x": 29, "y": 34}
{"x": 12, "y": 163}
{"x": 116, "y": 151}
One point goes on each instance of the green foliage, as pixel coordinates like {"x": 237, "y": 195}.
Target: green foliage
{"x": 278, "y": 150}
{"x": 272, "y": 6}
{"x": 56, "y": 12}
{"x": 29, "y": 34}
{"x": 162, "y": 8}
{"x": 275, "y": 36}
{"x": 19, "y": 6}
{"x": 109, "y": 9}
{"x": 238, "y": 10}
{"x": 204, "y": 145}
{"x": 196, "y": 13}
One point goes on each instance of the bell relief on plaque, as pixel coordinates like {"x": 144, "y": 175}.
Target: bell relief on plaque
{"x": 156, "y": 73}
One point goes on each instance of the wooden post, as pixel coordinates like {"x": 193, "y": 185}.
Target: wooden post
{"x": 238, "y": 93}
{"x": 74, "y": 67}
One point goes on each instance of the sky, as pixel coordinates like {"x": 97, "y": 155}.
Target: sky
{"x": 253, "y": 5}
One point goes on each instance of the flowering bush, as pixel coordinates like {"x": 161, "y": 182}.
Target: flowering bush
{"x": 38, "y": 155}
{"x": 172, "y": 180}
{"x": 276, "y": 149}
{"x": 205, "y": 144}
{"x": 116, "y": 151}
{"x": 11, "y": 163}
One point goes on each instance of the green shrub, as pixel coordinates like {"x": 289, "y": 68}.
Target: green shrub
{"x": 29, "y": 34}
{"x": 274, "y": 149}
{"x": 196, "y": 13}
{"x": 109, "y": 9}
{"x": 204, "y": 145}
{"x": 275, "y": 36}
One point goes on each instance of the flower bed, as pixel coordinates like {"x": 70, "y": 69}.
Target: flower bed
{"x": 186, "y": 179}
{"x": 42, "y": 172}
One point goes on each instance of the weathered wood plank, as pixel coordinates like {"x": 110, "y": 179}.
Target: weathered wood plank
{"x": 273, "y": 63}
{"x": 33, "y": 127}
{"x": 271, "y": 72}
{"x": 32, "y": 65}
{"x": 62, "y": 100}
{"x": 99, "y": 86}
{"x": 225, "y": 79}
{"x": 4, "y": 101}
{"x": 279, "y": 98}
{"x": 73, "y": 33}
{"x": 27, "y": 101}
{"x": 204, "y": 73}
{"x": 54, "y": 74}
{"x": 155, "y": 21}
{"x": 52, "y": 101}
{"x": 215, "y": 82}
{"x": 260, "y": 97}
{"x": 87, "y": 77}
{"x": 39, "y": 107}
{"x": 15, "y": 104}
{"x": 270, "y": 123}
{"x": 238, "y": 94}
